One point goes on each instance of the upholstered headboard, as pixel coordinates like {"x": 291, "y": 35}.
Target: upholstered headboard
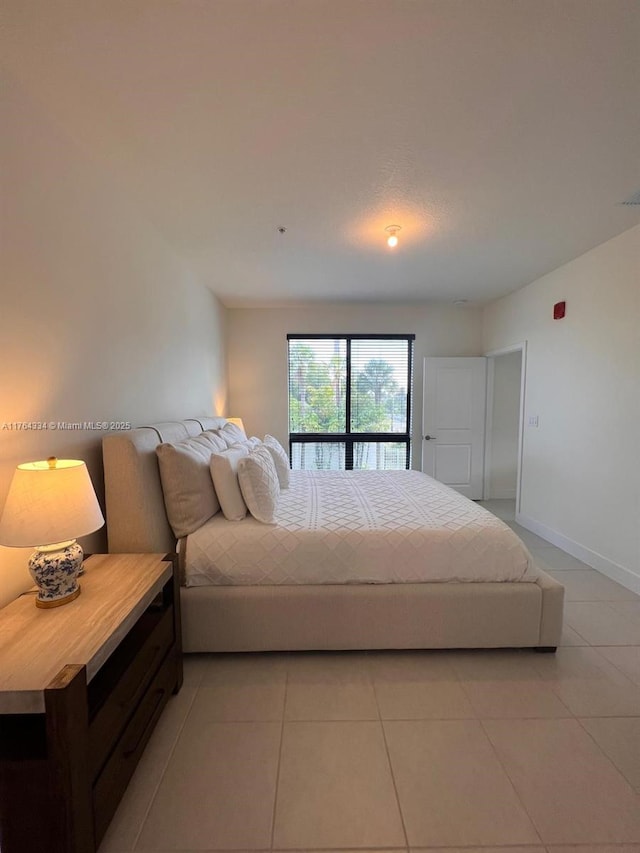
{"x": 136, "y": 518}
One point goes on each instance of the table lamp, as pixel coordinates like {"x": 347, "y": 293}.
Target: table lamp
{"x": 49, "y": 504}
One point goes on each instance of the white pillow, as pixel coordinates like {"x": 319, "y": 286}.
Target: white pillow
{"x": 224, "y": 473}
{"x": 280, "y": 458}
{"x": 216, "y": 440}
{"x": 189, "y": 496}
{"x": 259, "y": 484}
{"x": 232, "y": 434}
{"x": 249, "y": 443}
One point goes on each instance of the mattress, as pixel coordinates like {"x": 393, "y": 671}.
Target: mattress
{"x": 359, "y": 527}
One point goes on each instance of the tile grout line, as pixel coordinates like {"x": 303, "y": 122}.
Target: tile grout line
{"x": 570, "y": 714}
{"x": 275, "y": 796}
{"x": 552, "y": 685}
{"x": 610, "y": 607}
{"x": 575, "y": 632}
{"x": 601, "y": 750}
{"x": 330, "y": 849}
{"x": 386, "y": 748}
{"x": 615, "y": 665}
{"x": 587, "y": 846}
{"x": 556, "y": 683}
{"x": 164, "y": 769}
{"x": 379, "y": 718}
{"x": 443, "y": 848}
{"x": 513, "y": 787}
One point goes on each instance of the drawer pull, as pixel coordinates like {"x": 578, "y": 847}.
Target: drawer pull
{"x": 159, "y": 693}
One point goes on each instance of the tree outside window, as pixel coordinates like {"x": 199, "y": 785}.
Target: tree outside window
{"x": 350, "y": 401}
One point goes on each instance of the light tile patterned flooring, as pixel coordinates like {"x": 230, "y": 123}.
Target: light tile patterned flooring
{"x": 396, "y": 751}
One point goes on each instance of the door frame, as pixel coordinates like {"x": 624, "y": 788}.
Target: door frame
{"x": 488, "y": 430}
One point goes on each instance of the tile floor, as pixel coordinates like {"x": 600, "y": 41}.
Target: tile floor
{"x": 396, "y": 751}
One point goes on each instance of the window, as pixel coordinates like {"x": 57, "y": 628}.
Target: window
{"x": 350, "y": 401}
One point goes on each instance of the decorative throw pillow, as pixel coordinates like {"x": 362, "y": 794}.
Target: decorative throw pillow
{"x": 232, "y": 434}
{"x": 280, "y": 459}
{"x": 216, "y": 440}
{"x": 259, "y": 484}
{"x": 250, "y": 443}
{"x": 189, "y": 496}
{"x": 224, "y": 473}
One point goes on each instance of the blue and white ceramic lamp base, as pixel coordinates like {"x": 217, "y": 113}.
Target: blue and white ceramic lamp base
{"x": 55, "y": 570}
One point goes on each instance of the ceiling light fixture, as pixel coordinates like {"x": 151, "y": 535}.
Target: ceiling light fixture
{"x": 392, "y": 239}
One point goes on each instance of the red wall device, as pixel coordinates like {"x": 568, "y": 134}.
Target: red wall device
{"x": 559, "y": 310}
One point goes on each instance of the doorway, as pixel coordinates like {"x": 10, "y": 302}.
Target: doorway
{"x": 504, "y": 424}
{"x": 453, "y": 422}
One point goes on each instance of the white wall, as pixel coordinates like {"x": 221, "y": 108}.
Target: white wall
{"x": 99, "y": 318}
{"x": 505, "y": 418}
{"x": 257, "y": 351}
{"x": 581, "y": 466}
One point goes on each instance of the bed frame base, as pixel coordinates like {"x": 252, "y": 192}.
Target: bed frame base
{"x": 374, "y": 616}
{"x": 290, "y": 618}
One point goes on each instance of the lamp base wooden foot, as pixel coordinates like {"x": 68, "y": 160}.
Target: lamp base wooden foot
{"x": 57, "y": 602}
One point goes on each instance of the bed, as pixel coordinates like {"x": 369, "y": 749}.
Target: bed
{"x": 363, "y": 560}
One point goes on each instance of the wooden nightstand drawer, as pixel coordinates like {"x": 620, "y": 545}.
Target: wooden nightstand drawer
{"x": 81, "y": 688}
{"x": 123, "y": 760}
{"x": 116, "y": 691}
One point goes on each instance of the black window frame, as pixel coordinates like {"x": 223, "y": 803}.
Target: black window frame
{"x": 349, "y": 438}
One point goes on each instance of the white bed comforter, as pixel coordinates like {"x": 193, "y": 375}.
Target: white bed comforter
{"x": 335, "y": 527}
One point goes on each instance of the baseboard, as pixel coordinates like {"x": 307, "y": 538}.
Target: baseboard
{"x": 607, "y": 567}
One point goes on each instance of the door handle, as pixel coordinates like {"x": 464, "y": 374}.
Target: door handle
{"x": 429, "y": 438}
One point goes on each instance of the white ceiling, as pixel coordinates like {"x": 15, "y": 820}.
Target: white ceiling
{"x": 501, "y": 135}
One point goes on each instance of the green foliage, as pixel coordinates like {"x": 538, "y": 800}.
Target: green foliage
{"x": 376, "y": 378}
{"x": 372, "y": 399}
{"x": 317, "y": 394}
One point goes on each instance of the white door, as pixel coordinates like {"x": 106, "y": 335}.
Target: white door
{"x": 453, "y": 415}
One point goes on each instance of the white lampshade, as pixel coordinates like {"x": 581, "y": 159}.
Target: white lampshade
{"x": 48, "y": 502}
{"x": 238, "y": 423}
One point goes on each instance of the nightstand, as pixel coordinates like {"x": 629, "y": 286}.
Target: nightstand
{"x": 81, "y": 689}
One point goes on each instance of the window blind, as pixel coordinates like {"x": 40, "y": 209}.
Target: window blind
{"x": 350, "y": 401}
